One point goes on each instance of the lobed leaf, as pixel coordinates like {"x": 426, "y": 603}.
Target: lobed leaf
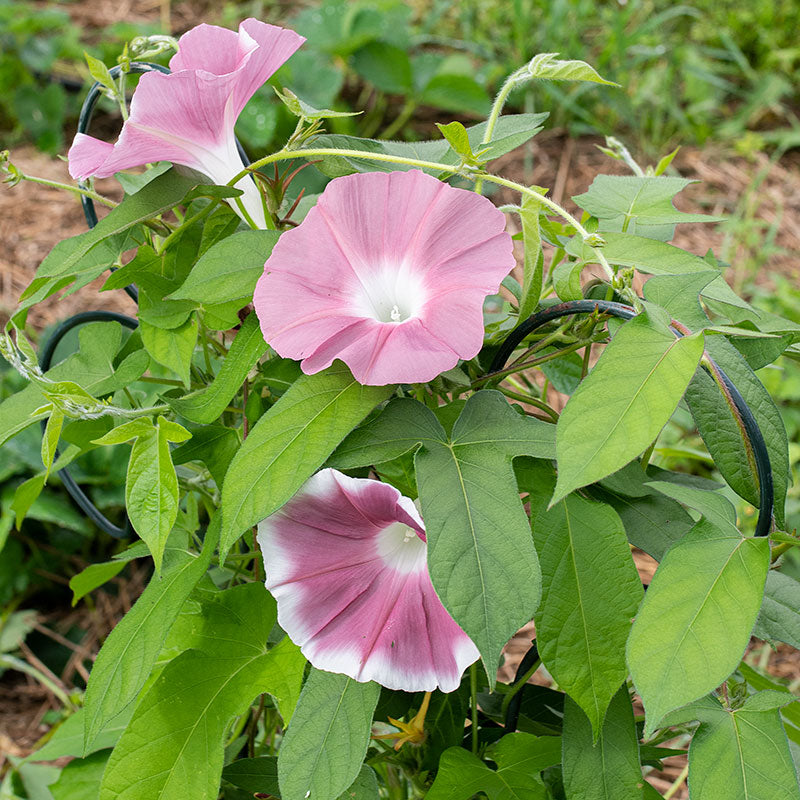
{"x": 130, "y": 651}
{"x": 520, "y": 757}
{"x": 489, "y": 584}
{"x": 174, "y": 744}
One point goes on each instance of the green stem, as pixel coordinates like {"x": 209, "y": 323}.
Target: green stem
{"x": 528, "y": 364}
{"x": 68, "y": 187}
{"x": 517, "y": 686}
{"x": 316, "y": 152}
{"x": 10, "y": 662}
{"x": 531, "y": 401}
{"x": 406, "y": 112}
{"x": 473, "y": 693}
{"x": 204, "y": 212}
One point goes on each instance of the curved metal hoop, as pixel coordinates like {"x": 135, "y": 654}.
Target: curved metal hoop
{"x": 45, "y": 361}
{"x": 756, "y": 438}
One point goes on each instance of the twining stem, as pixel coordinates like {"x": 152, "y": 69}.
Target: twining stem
{"x": 473, "y": 693}
{"x": 497, "y": 108}
{"x": 535, "y": 362}
{"x": 315, "y": 152}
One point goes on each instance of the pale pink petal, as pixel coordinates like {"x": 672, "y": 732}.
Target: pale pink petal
{"x": 456, "y": 319}
{"x": 188, "y": 116}
{"x": 379, "y": 354}
{"x": 254, "y": 54}
{"x": 393, "y": 250}
{"x": 345, "y": 560}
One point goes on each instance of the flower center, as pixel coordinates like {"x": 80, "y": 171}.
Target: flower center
{"x": 391, "y": 295}
{"x": 401, "y": 548}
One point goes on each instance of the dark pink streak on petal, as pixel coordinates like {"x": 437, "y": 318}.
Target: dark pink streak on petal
{"x": 353, "y": 588}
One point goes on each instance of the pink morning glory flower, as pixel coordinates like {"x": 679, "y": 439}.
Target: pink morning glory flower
{"x": 388, "y": 272}
{"x": 345, "y": 559}
{"x": 187, "y": 117}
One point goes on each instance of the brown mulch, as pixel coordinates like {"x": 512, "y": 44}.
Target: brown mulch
{"x": 24, "y": 703}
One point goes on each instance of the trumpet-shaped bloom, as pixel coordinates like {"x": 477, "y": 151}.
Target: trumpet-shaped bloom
{"x": 388, "y": 272}
{"x": 187, "y": 117}
{"x": 345, "y": 559}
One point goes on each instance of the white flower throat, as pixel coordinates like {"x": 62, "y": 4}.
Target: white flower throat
{"x": 392, "y": 294}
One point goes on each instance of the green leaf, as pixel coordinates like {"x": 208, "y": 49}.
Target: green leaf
{"x": 99, "y": 71}
{"x": 458, "y": 138}
{"x": 520, "y": 757}
{"x": 174, "y": 744}
{"x": 456, "y": 93}
{"x": 779, "y": 620}
{"x": 652, "y": 523}
{"x": 567, "y": 280}
{"x": 590, "y": 592}
{"x": 741, "y": 753}
{"x": 490, "y": 585}
{"x": 130, "y": 651}
{"x": 66, "y": 739}
{"x": 722, "y": 435}
{"x": 511, "y": 131}
{"x": 533, "y": 264}
{"x": 545, "y": 66}
{"x": 624, "y": 402}
{"x": 151, "y": 485}
{"x": 229, "y": 269}
{"x": 52, "y": 433}
{"x": 80, "y": 779}
{"x": 386, "y": 66}
{"x": 716, "y": 508}
{"x": 208, "y": 404}
{"x": 88, "y": 579}
{"x": 172, "y": 348}
{"x": 658, "y": 258}
{"x": 25, "y": 495}
{"x": 158, "y": 196}
{"x": 696, "y": 618}
{"x": 254, "y": 775}
{"x": 640, "y": 205}
{"x": 289, "y": 443}
{"x": 300, "y": 108}
{"x": 325, "y": 745}
{"x": 679, "y": 295}
{"x": 364, "y": 787}
{"x": 606, "y": 769}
